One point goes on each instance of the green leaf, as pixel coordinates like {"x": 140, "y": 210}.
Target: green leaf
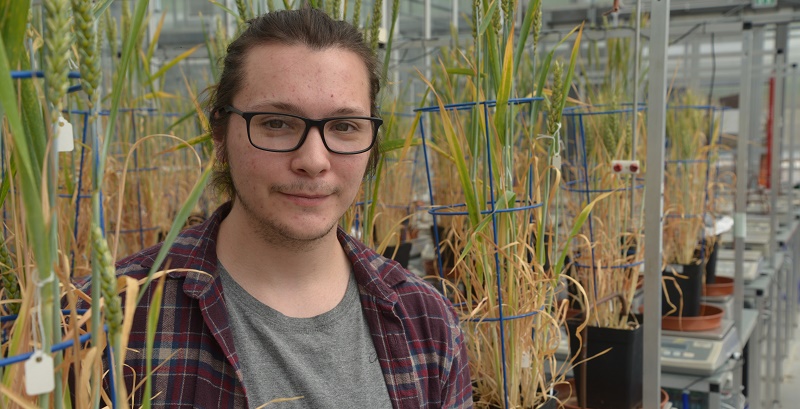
{"x": 31, "y": 176}
{"x": 13, "y": 22}
{"x": 390, "y": 40}
{"x": 487, "y": 19}
{"x": 460, "y": 71}
{"x": 128, "y": 51}
{"x": 166, "y": 67}
{"x": 471, "y": 198}
{"x": 154, "y": 41}
{"x": 504, "y": 92}
{"x": 6, "y": 185}
{"x": 576, "y": 227}
{"x": 227, "y": 10}
{"x": 183, "y": 119}
{"x": 576, "y": 47}
{"x": 396, "y": 144}
{"x": 524, "y": 31}
{"x": 545, "y": 70}
{"x": 152, "y": 325}
{"x": 101, "y": 7}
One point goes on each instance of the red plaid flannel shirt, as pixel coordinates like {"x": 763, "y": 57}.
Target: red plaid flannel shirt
{"x": 415, "y": 330}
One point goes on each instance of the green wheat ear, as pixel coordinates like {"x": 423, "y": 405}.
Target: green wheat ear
{"x": 10, "y": 280}
{"x": 86, "y": 33}
{"x": 243, "y": 11}
{"x": 537, "y": 26}
{"x": 113, "y": 304}
{"x": 357, "y": 14}
{"x": 377, "y": 15}
{"x": 57, "y": 39}
{"x": 553, "y": 115}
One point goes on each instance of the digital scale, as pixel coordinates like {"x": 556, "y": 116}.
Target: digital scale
{"x": 725, "y": 268}
{"x": 748, "y": 255}
{"x": 692, "y": 353}
{"x": 699, "y": 352}
{"x": 724, "y": 302}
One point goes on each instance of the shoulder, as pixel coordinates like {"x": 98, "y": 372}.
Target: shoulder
{"x": 423, "y": 303}
{"x": 194, "y": 248}
{"x": 388, "y": 282}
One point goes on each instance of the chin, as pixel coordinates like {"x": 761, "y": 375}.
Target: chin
{"x": 293, "y": 235}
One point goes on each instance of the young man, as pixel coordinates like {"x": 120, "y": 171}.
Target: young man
{"x": 272, "y": 300}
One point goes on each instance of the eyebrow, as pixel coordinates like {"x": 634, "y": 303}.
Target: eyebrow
{"x": 296, "y": 110}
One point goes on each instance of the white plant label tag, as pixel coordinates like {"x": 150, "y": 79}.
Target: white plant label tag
{"x": 39, "y": 374}
{"x": 64, "y": 137}
{"x": 526, "y": 360}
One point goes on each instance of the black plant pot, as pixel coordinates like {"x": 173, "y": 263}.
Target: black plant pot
{"x": 445, "y": 253}
{"x": 614, "y": 379}
{"x": 551, "y": 403}
{"x": 711, "y": 264}
{"x": 691, "y": 290}
{"x": 403, "y": 253}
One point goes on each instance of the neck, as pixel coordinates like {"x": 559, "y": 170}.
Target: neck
{"x": 296, "y": 280}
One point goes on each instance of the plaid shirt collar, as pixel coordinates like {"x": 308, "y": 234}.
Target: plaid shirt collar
{"x": 190, "y": 253}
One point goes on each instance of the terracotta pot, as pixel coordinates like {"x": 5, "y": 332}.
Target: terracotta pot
{"x": 568, "y": 395}
{"x": 721, "y": 287}
{"x": 710, "y": 317}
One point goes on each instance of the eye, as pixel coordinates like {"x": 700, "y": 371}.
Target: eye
{"x": 273, "y": 123}
{"x": 344, "y": 126}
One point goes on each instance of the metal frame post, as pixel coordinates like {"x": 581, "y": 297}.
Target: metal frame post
{"x": 793, "y": 135}
{"x": 694, "y": 78}
{"x": 454, "y": 15}
{"x": 781, "y": 41}
{"x": 742, "y": 152}
{"x": 740, "y": 211}
{"x": 654, "y": 200}
{"x": 428, "y": 26}
{"x": 757, "y": 100}
{"x": 793, "y": 282}
{"x": 635, "y": 81}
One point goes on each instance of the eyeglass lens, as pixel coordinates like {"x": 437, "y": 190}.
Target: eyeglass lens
{"x": 284, "y": 132}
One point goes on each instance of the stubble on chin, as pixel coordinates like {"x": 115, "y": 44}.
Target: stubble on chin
{"x": 282, "y": 235}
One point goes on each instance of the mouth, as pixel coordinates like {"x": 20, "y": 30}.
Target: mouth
{"x": 305, "y": 199}
{"x": 302, "y": 195}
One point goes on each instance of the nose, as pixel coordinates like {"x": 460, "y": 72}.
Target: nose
{"x": 312, "y": 157}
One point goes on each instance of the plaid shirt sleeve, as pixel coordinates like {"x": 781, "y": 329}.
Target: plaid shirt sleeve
{"x": 457, "y": 388}
{"x": 194, "y": 364}
{"x": 416, "y": 333}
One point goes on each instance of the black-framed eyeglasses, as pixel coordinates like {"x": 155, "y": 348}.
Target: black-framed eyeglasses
{"x": 278, "y": 132}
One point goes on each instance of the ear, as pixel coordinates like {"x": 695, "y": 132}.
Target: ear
{"x": 218, "y": 139}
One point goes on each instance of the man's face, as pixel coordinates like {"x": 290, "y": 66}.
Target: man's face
{"x": 297, "y": 197}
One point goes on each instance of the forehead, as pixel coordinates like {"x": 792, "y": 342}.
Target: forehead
{"x": 294, "y": 74}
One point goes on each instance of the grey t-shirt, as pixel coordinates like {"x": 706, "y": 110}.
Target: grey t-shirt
{"x": 329, "y": 359}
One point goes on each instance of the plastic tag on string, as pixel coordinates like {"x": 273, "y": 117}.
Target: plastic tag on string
{"x": 555, "y": 160}
{"x": 64, "y": 138}
{"x": 526, "y": 360}
{"x": 39, "y": 374}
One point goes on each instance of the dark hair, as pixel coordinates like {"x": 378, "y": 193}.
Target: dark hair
{"x": 307, "y": 26}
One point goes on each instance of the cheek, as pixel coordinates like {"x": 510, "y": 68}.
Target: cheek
{"x": 241, "y": 160}
{"x": 355, "y": 170}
